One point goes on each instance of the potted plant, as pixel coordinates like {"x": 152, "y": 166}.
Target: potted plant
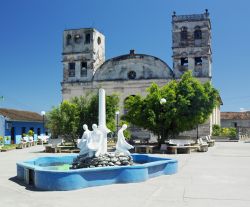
{"x": 30, "y": 135}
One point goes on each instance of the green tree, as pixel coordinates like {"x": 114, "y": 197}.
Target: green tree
{"x": 216, "y": 130}
{"x": 67, "y": 119}
{"x": 64, "y": 120}
{"x": 188, "y": 104}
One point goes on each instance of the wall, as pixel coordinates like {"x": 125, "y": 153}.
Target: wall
{"x": 123, "y": 88}
{"x": 2, "y": 125}
{"x": 230, "y": 123}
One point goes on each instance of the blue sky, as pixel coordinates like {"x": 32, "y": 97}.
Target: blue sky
{"x": 31, "y": 43}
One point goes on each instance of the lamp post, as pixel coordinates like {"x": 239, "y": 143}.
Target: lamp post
{"x": 162, "y": 101}
{"x": 43, "y": 114}
{"x": 117, "y": 121}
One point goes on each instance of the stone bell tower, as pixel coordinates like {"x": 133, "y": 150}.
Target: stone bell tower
{"x": 83, "y": 53}
{"x": 191, "y": 44}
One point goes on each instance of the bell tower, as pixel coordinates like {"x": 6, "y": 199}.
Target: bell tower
{"x": 191, "y": 45}
{"x": 83, "y": 53}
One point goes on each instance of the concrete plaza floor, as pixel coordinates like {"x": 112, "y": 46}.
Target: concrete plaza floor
{"x": 217, "y": 178}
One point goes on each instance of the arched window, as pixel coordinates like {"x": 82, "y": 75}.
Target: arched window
{"x": 184, "y": 33}
{"x": 197, "y": 33}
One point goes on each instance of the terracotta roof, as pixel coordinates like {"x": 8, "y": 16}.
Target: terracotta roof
{"x": 18, "y": 115}
{"x": 235, "y": 115}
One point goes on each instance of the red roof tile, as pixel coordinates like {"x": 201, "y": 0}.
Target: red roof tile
{"x": 18, "y": 115}
{"x": 235, "y": 115}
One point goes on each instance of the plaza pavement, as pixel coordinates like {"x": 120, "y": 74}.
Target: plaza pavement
{"x": 217, "y": 178}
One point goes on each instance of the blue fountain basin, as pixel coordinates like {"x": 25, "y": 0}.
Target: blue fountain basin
{"x": 41, "y": 172}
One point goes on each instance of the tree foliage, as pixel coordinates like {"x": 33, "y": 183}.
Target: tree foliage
{"x": 67, "y": 119}
{"x": 188, "y": 104}
{"x": 227, "y": 132}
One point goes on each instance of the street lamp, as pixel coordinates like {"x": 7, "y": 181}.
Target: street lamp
{"x": 163, "y": 101}
{"x": 43, "y": 114}
{"x": 117, "y": 121}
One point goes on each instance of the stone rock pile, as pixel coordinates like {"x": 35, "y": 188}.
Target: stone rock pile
{"x": 110, "y": 159}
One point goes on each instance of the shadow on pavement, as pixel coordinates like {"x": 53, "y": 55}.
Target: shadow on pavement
{"x": 21, "y": 183}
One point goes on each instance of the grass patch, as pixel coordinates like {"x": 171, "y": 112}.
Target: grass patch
{"x": 9, "y": 147}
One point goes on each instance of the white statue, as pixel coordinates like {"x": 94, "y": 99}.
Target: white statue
{"x": 102, "y": 120}
{"x": 122, "y": 146}
{"x": 95, "y": 142}
{"x": 82, "y": 143}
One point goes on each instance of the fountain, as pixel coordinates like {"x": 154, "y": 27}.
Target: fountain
{"x": 94, "y": 166}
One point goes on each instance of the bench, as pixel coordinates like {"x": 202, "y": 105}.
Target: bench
{"x": 148, "y": 148}
{"x": 54, "y": 145}
{"x": 26, "y": 142}
{"x": 42, "y": 139}
{"x": 203, "y": 146}
{"x": 183, "y": 149}
{"x": 182, "y": 145}
{"x": 209, "y": 141}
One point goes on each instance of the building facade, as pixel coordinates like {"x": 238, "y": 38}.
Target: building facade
{"x": 15, "y": 123}
{"x": 85, "y": 68}
{"x": 238, "y": 120}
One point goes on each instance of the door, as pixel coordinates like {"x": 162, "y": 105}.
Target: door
{"x": 12, "y": 132}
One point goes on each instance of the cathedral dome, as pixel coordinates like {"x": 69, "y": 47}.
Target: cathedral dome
{"x": 133, "y": 67}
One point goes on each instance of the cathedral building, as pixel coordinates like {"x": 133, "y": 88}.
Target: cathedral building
{"x": 85, "y": 68}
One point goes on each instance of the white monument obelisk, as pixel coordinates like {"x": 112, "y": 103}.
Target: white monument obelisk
{"x": 102, "y": 120}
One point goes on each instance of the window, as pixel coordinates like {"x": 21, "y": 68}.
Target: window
{"x": 71, "y": 69}
{"x": 23, "y": 131}
{"x": 197, "y": 33}
{"x": 84, "y": 69}
{"x": 184, "y": 33}
{"x": 84, "y": 65}
{"x": 198, "y": 61}
{"x": 77, "y": 38}
{"x": 132, "y": 74}
{"x": 184, "y": 61}
{"x": 38, "y": 131}
{"x": 87, "y": 38}
{"x": 99, "y": 40}
{"x": 8, "y": 125}
{"x": 235, "y": 124}
{"x": 68, "y": 39}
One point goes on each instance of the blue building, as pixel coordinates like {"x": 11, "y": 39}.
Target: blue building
{"x": 15, "y": 123}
